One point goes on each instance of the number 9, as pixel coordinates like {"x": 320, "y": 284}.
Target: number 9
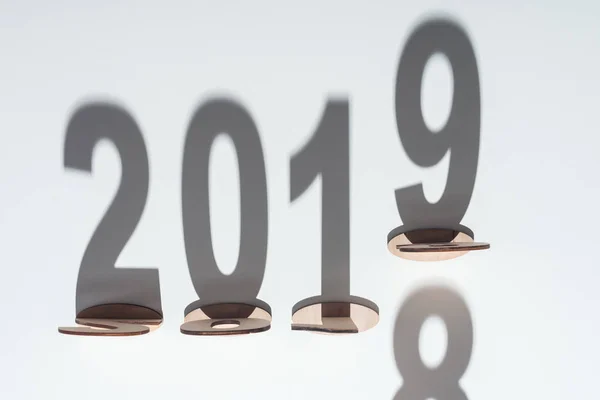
{"x": 433, "y": 231}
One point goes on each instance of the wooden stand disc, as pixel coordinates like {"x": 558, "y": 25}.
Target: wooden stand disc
{"x": 442, "y": 247}
{"x": 433, "y": 244}
{"x": 226, "y": 319}
{"x": 331, "y": 317}
{"x": 115, "y": 320}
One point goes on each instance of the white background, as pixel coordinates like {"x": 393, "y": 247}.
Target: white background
{"x": 532, "y": 296}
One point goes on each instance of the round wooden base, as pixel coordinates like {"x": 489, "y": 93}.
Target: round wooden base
{"x": 321, "y": 315}
{"x": 115, "y": 320}
{"x": 226, "y": 319}
{"x": 432, "y": 244}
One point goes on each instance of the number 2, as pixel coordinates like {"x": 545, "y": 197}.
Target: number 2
{"x": 99, "y": 281}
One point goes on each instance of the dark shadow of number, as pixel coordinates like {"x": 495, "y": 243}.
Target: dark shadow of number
{"x": 222, "y": 116}
{"x": 327, "y": 154}
{"x": 99, "y": 282}
{"x": 442, "y": 382}
{"x": 460, "y": 135}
